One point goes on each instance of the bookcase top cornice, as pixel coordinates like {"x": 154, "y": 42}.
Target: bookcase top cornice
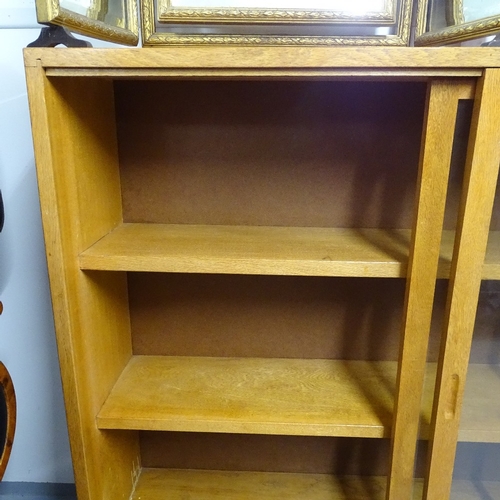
{"x": 376, "y": 61}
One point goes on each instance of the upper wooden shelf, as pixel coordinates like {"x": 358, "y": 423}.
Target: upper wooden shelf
{"x": 255, "y": 395}
{"x": 298, "y": 251}
{"x": 303, "y": 61}
{"x": 250, "y": 250}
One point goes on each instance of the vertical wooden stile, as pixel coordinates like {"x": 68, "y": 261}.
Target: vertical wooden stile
{"x": 435, "y": 157}
{"x": 483, "y": 159}
{"x": 77, "y": 166}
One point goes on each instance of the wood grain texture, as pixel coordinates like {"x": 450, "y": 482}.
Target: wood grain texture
{"x": 251, "y": 395}
{"x": 267, "y": 57}
{"x": 80, "y": 200}
{"x": 267, "y": 250}
{"x": 349, "y": 74}
{"x": 480, "y": 418}
{"x": 211, "y": 485}
{"x": 435, "y": 160}
{"x": 472, "y": 234}
{"x": 250, "y": 250}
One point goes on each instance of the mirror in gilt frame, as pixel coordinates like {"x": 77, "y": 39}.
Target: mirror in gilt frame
{"x": 111, "y": 20}
{"x": 276, "y": 22}
{"x": 441, "y": 22}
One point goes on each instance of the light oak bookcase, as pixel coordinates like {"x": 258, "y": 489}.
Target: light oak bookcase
{"x": 243, "y": 247}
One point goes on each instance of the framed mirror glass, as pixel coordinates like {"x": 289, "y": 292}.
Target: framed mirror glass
{"x": 7, "y": 417}
{"x": 276, "y": 22}
{"x": 452, "y": 21}
{"x": 111, "y": 20}
{"x": 278, "y": 11}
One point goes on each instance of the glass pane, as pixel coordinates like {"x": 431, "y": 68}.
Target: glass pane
{"x": 112, "y": 12}
{"x": 477, "y": 462}
{"x": 333, "y": 5}
{"x": 450, "y": 21}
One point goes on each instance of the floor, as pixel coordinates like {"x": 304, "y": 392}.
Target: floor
{"x": 36, "y": 491}
{"x": 22, "y": 496}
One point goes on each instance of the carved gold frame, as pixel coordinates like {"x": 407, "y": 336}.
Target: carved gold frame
{"x": 455, "y": 12}
{"x": 454, "y": 34}
{"x": 156, "y": 32}
{"x": 50, "y": 11}
{"x": 168, "y": 13}
{"x": 97, "y": 9}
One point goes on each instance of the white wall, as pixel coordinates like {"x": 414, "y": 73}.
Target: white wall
{"x": 17, "y": 14}
{"x": 27, "y": 343}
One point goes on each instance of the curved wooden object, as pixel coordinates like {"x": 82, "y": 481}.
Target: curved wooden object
{"x": 10, "y": 398}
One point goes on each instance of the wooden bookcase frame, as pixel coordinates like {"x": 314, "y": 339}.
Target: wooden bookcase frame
{"x": 111, "y": 394}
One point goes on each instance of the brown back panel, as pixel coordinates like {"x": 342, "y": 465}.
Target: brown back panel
{"x": 323, "y": 455}
{"x": 298, "y": 153}
{"x": 265, "y": 316}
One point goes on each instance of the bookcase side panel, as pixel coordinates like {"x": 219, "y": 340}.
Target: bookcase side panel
{"x": 74, "y": 137}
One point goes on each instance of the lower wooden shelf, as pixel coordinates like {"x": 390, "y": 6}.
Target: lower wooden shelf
{"x": 480, "y": 419}
{"x": 283, "y": 396}
{"x": 255, "y": 396}
{"x": 162, "y": 484}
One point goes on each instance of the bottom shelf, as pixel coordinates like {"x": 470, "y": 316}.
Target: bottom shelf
{"x": 163, "y": 484}
{"x": 170, "y": 484}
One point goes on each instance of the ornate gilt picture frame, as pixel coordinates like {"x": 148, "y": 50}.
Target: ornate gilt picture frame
{"x": 193, "y": 11}
{"x": 441, "y": 22}
{"x": 111, "y": 20}
{"x": 275, "y": 22}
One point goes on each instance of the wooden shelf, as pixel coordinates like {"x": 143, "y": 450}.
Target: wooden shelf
{"x": 480, "y": 419}
{"x": 217, "y": 485}
{"x": 254, "y": 395}
{"x": 250, "y": 250}
{"x": 301, "y": 251}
